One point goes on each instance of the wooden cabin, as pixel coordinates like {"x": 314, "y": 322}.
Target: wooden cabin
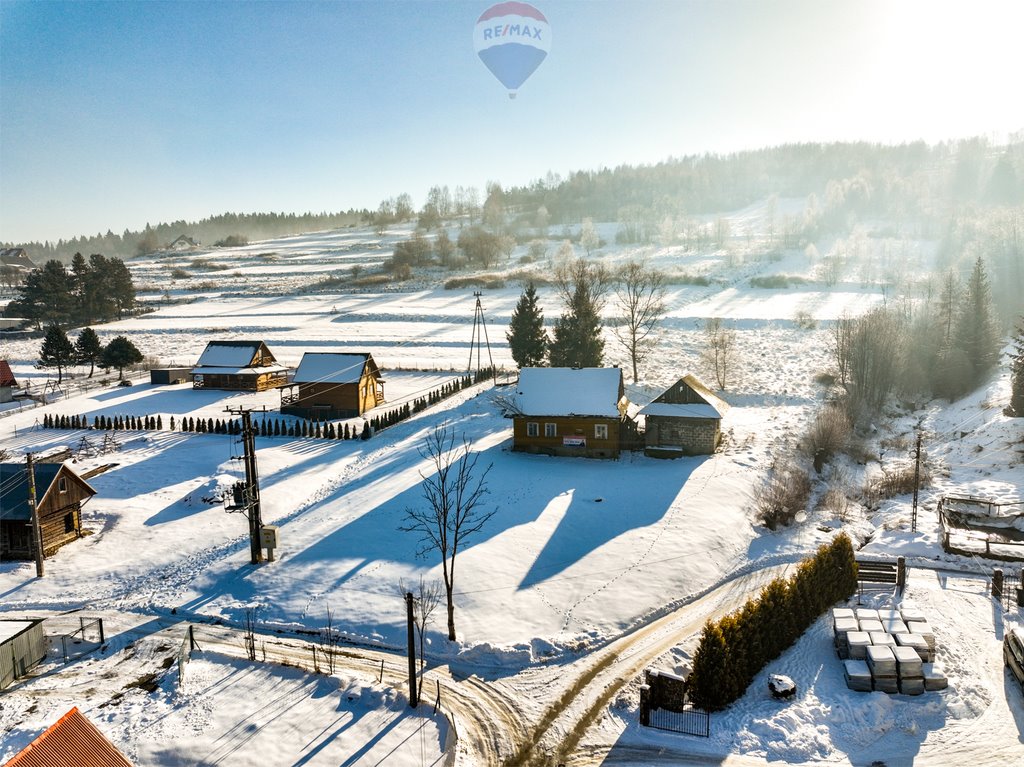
{"x": 568, "y": 411}
{"x": 329, "y": 385}
{"x": 238, "y": 366}
{"x": 71, "y": 741}
{"x": 60, "y": 493}
{"x": 685, "y": 420}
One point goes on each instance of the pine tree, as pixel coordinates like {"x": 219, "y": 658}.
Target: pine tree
{"x": 527, "y": 339}
{"x": 56, "y": 351}
{"x": 977, "y": 332}
{"x": 1016, "y": 408}
{"x": 88, "y": 349}
{"x": 120, "y": 353}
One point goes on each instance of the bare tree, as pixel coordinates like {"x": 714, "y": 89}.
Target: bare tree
{"x": 453, "y": 492}
{"x": 584, "y": 279}
{"x": 641, "y": 292}
{"x": 589, "y": 238}
{"x": 840, "y": 338}
{"x": 330, "y": 638}
{"x": 719, "y": 356}
{"x": 426, "y": 598}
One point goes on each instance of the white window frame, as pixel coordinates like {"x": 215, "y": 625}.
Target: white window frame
{"x": 600, "y": 431}
{"x": 62, "y": 484}
{"x": 532, "y": 429}
{"x": 550, "y": 429}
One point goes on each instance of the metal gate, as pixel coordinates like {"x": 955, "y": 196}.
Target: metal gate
{"x": 690, "y": 721}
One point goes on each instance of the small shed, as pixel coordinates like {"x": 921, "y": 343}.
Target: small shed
{"x": 684, "y": 420}
{"x": 568, "y": 411}
{"x": 168, "y": 376}
{"x": 7, "y": 382}
{"x": 71, "y": 741}
{"x": 60, "y": 494}
{"x": 22, "y": 648}
{"x": 330, "y": 385}
{"x": 238, "y": 366}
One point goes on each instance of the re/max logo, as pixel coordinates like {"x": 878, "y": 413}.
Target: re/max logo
{"x": 491, "y": 33}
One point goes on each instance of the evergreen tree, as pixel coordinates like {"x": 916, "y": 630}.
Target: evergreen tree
{"x": 56, "y": 351}
{"x": 1016, "y": 408}
{"x": 120, "y": 353}
{"x": 88, "y": 349}
{"x": 977, "y": 332}
{"x": 527, "y": 339}
{"x": 577, "y": 338}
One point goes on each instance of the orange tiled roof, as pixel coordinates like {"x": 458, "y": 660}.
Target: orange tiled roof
{"x": 6, "y": 376}
{"x": 72, "y": 741}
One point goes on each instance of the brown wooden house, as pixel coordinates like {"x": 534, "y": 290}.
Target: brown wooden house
{"x": 685, "y": 420}
{"x": 330, "y": 385}
{"x": 60, "y": 494}
{"x": 568, "y": 411}
{"x": 238, "y": 366}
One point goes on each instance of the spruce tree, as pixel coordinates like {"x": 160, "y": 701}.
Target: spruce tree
{"x": 56, "y": 351}
{"x": 977, "y": 331}
{"x": 577, "y": 341}
{"x": 527, "y": 339}
{"x": 1016, "y": 408}
{"x": 88, "y": 349}
{"x": 120, "y": 353}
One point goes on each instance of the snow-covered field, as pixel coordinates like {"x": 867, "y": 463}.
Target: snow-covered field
{"x": 578, "y": 553}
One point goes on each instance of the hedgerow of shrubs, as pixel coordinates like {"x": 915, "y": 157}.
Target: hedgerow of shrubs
{"x": 733, "y": 650}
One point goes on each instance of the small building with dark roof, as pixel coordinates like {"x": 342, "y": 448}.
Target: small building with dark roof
{"x": 22, "y": 648}
{"x": 685, "y": 420}
{"x": 238, "y": 366}
{"x": 71, "y": 741}
{"x": 60, "y": 494}
{"x": 329, "y": 385}
{"x": 568, "y": 411}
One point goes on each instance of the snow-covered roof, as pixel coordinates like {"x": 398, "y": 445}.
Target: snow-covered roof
{"x": 229, "y": 354}
{"x": 569, "y": 391}
{"x": 10, "y": 629}
{"x": 331, "y": 367}
{"x": 681, "y": 411}
{"x": 217, "y": 370}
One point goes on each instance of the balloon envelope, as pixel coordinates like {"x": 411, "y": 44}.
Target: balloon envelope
{"x": 512, "y": 39}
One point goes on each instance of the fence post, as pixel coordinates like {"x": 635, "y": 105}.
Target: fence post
{"x": 645, "y": 705}
{"x": 437, "y": 702}
{"x": 997, "y": 583}
{"x": 103, "y": 636}
{"x": 191, "y": 638}
{"x": 901, "y": 574}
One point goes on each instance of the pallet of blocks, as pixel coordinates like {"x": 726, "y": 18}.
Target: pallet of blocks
{"x": 919, "y": 645}
{"x": 922, "y": 629}
{"x": 858, "y": 643}
{"x": 841, "y": 628}
{"x": 882, "y": 663}
{"x": 934, "y": 678}
{"x": 858, "y": 675}
{"x": 909, "y": 669}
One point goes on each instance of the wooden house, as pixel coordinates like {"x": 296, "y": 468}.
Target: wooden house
{"x": 568, "y": 411}
{"x": 71, "y": 741}
{"x": 685, "y": 420}
{"x": 17, "y": 260}
{"x": 238, "y": 366}
{"x": 330, "y": 385}
{"x": 60, "y": 494}
{"x": 8, "y": 384}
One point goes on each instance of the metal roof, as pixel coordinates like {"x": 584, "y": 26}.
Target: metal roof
{"x": 72, "y": 741}
{"x": 14, "y": 487}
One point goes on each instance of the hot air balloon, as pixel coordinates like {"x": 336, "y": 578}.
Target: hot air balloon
{"x": 512, "y": 39}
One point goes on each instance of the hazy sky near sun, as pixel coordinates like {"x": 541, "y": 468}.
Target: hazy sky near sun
{"x": 114, "y": 114}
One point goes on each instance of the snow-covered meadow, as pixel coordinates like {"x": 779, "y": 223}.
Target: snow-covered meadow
{"x": 578, "y": 553}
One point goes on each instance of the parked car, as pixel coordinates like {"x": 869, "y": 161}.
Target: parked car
{"x": 124, "y": 382}
{"x": 1013, "y": 654}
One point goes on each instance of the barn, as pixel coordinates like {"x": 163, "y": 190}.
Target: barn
{"x": 22, "y": 647}
{"x": 168, "y": 376}
{"x": 568, "y": 411}
{"x": 330, "y": 385}
{"x": 238, "y": 366}
{"x": 685, "y": 420}
{"x": 60, "y": 493}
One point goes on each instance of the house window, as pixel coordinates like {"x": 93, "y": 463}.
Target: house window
{"x": 532, "y": 429}
{"x": 600, "y": 431}
{"x": 550, "y": 430}
{"x": 62, "y": 485}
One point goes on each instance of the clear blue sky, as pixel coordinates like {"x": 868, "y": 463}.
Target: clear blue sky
{"x": 114, "y": 114}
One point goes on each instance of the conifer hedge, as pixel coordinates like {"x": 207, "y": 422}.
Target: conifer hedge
{"x": 734, "y": 649}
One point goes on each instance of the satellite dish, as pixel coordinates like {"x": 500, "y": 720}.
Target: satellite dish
{"x": 512, "y": 39}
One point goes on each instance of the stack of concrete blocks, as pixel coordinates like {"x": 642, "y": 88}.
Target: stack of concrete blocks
{"x": 895, "y": 646}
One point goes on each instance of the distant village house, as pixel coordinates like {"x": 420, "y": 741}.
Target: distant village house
{"x": 329, "y": 385}
{"x": 60, "y": 494}
{"x": 568, "y": 411}
{"x": 8, "y": 385}
{"x": 238, "y": 366}
{"x": 685, "y": 420}
{"x": 183, "y": 242}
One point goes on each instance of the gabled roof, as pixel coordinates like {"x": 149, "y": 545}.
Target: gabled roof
{"x": 569, "y": 391}
{"x": 183, "y": 239}
{"x": 14, "y": 487}
{"x": 687, "y": 398}
{"x": 6, "y": 376}
{"x": 334, "y": 367}
{"x": 17, "y": 257}
{"x": 231, "y": 354}
{"x": 72, "y": 741}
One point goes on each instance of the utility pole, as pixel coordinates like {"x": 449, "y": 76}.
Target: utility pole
{"x": 252, "y": 482}
{"x": 917, "y": 481}
{"x": 37, "y": 531}
{"x": 409, "y": 607}
{"x": 479, "y": 338}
